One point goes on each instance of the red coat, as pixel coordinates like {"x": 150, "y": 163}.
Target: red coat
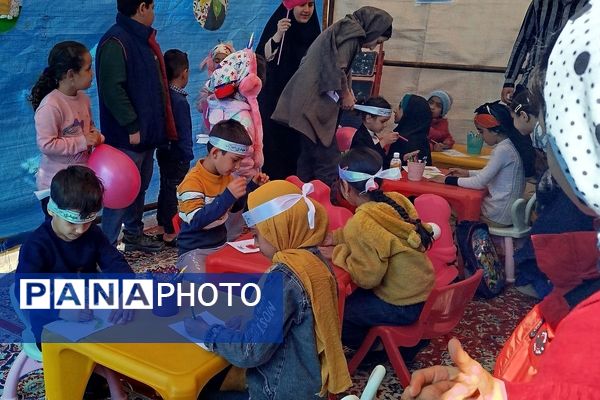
{"x": 440, "y": 133}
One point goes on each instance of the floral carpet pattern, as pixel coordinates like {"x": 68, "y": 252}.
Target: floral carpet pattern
{"x": 483, "y": 330}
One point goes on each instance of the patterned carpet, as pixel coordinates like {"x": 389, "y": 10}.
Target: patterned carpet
{"x": 483, "y": 330}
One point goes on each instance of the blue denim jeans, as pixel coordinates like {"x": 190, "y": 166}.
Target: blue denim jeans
{"x": 364, "y": 310}
{"x": 131, "y": 216}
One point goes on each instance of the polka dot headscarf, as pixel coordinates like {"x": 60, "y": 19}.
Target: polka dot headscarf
{"x": 572, "y": 95}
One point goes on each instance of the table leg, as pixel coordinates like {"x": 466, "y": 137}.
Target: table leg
{"x": 66, "y": 372}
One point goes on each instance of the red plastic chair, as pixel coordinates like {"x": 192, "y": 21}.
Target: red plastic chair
{"x": 344, "y": 135}
{"x": 442, "y": 311}
{"x": 338, "y": 216}
{"x": 434, "y": 208}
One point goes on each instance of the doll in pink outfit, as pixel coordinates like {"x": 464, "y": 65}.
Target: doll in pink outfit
{"x": 65, "y": 131}
{"x": 439, "y": 136}
{"x": 234, "y": 88}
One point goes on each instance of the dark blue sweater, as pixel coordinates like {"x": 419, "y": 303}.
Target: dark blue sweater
{"x": 182, "y": 149}
{"x": 44, "y": 252}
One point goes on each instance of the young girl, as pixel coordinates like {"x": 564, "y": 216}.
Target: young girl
{"x": 414, "y": 120}
{"x": 440, "y": 138}
{"x": 63, "y": 117}
{"x": 311, "y": 101}
{"x": 309, "y": 361}
{"x": 376, "y": 112}
{"x": 382, "y": 247}
{"x": 504, "y": 175}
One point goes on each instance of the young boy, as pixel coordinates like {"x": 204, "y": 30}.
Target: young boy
{"x": 174, "y": 159}
{"x": 69, "y": 243}
{"x": 376, "y": 112}
{"x": 208, "y": 192}
{"x": 440, "y": 138}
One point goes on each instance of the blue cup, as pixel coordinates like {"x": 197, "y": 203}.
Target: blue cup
{"x": 474, "y": 143}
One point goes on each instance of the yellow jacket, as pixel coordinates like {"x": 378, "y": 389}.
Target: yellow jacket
{"x": 383, "y": 252}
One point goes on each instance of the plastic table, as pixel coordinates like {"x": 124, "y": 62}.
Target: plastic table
{"x": 177, "y": 371}
{"x": 443, "y": 160}
{"x": 465, "y": 202}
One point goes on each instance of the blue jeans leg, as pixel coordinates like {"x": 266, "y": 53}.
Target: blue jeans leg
{"x": 364, "y": 310}
{"x": 112, "y": 219}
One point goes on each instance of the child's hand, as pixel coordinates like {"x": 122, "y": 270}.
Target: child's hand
{"x": 348, "y": 101}
{"x": 326, "y": 251}
{"x": 328, "y": 241}
{"x": 93, "y": 137}
{"x": 282, "y": 26}
{"x": 121, "y": 316}
{"x": 460, "y": 172}
{"x": 261, "y": 178}
{"x": 388, "y": 138}
{"x": 237, "y": 187}
{"x": 440, "y": 147}
{"x": 438, "y": 179}
{"x": 196, "y": 327}
{"x": 76, "y": 315}
{"x": 135, "y": 138}
{"x": 412, "y": 154}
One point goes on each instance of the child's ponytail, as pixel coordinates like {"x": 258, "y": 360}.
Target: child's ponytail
{"x": 424, "y": 234}
{"x": 63, "y": 57}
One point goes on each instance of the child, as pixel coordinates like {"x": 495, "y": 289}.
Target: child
{"x": 376, "y": 112}
{"x": 208, "y": 192}
{"x": 413, "y": 116}
{"x": 322, "y": 85}
{"x": 64, "y": 127}
{"x": 382, "y": 247}
{"x": 504, "y": 174}
{"x": 235, "y": 86}
{"x": 309, "y": 361}
{"x": 69, "y": 243}
{"x": 174, "y": 160}
{"x": 440, "y": 138}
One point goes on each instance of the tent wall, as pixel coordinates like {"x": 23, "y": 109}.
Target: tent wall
{"x": 463, "y": 32}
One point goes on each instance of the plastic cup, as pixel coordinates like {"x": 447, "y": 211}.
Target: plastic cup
{"x": 415, "y": 170}
{"x": 474, "y": 144}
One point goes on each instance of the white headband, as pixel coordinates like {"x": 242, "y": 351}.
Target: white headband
{"x": 280, "y": 204}
{"x": 228, "y": 146}
{"x": 353, "y": 176}
{"x": 382, "y": 112}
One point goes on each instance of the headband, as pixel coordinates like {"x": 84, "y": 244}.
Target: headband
{"x": 280, "y": 204}
{"x": 353, "y": 176}
{"x": 486, "y": 120}
{"x": 71, "y": 216}
{"x": 228, "y": 146}
{"x": 382, "y": 112}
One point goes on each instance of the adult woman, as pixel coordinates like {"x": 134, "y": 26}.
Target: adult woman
{"x": 309, "y": 103}
{"x": 300, "y": 29}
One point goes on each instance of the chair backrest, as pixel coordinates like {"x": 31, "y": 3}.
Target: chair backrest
{"x": 521, "y": 211}
{"x": 295, "y": 180}
{"x": 434, "y": 208}
{"x": 344, "y": 135}
{"x": 446, "y": 305}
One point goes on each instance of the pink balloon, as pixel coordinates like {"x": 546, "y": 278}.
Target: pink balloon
{"x": 119, "y": 175}
{"x": 289, "y": 4}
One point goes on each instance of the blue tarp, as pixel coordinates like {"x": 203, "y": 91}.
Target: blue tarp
{"x": 23, "y": 55}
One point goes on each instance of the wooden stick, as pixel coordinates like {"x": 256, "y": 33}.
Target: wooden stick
{"x": 282, "y": 39}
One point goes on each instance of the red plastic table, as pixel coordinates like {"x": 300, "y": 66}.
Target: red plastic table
{"x": 229, "y": 260}
{"x": 466, "y": 202}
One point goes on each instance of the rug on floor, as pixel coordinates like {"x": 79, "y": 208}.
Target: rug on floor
{"x": 483, "y": 330}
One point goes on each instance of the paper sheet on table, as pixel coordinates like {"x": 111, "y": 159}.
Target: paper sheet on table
{"x": 207, "y": 316}
{"x": 454, "y": 153}
{"x": 429, "y": 172}
{"x": 487, "y": 157}
{"x": 76, "y": 331}
{"x": 245, "y": 246}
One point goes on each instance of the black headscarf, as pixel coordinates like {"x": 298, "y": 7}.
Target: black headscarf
{"x": 521, "y": 142}
{"x": 414, "y": 126}
{"x": 297, "y": 41}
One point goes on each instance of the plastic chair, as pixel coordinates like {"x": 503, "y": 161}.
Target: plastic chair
{"x": 434, "y": 208}
{"x": 338, "y": 216}
{"x": 176, "y": 221}
{"x": 521, "y": 215}
{"x": 370, "y": 391}
{"x": 344, "y": 135}
{"x": 30, "y": 357}
{"x": 442, "y": 311}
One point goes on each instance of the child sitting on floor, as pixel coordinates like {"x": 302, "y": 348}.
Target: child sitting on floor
{"x": 413, "y": 117}
{"x": 440, "y": 138}
{"x": 372, "y": 133}
{"x": 504, "y": 175}
{"x": 208, "y": 193}
{"x": 382, "y": 247}
{"x": 309, "y": 362}
{"x": 70, "y": 243}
